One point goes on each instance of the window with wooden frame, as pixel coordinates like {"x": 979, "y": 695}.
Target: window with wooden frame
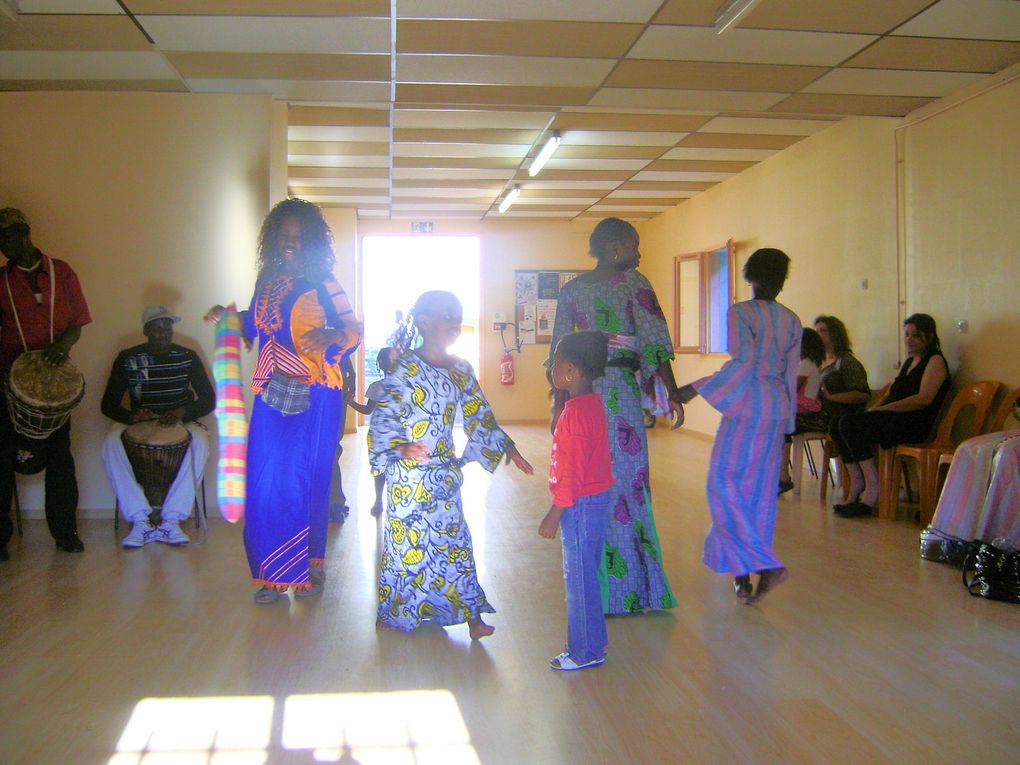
{"x": 703, "y": 289}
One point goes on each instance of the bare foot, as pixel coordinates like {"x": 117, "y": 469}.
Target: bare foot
{"x": 742, "y": 586}
{"x": 769, "y": 579}
{"x": 480, "y": 629}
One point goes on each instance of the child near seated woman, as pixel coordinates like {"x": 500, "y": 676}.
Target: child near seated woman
{"x": 580, "y": 476}
{"x": 427, "y": 572}
{"x": 385, "y": 360}
{"x": 810, "y": 416}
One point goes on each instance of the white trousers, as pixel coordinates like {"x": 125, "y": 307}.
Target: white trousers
{"x": 181, "y": 495}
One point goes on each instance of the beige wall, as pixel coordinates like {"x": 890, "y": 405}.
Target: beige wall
{"x": 963, "y": 230}
{"x": 505, "y": 247}
{"x": 152, "y": 198}
{"x": 829, "y": 202}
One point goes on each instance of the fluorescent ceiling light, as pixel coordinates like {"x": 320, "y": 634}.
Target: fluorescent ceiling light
{"x": 543, "y": 156}
{"x": 509, "y": 199}
{"x": 731, "y": 12}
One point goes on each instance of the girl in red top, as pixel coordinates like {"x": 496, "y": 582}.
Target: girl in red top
{"x": 580, "y": 477}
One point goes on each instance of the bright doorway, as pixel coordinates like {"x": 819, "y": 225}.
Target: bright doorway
{"x": 397, "y": 269}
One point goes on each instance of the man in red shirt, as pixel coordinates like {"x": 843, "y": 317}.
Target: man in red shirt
{"x": 41, "y": 308}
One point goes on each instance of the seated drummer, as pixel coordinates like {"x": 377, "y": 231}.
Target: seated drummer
{"x": 167, "y": 383}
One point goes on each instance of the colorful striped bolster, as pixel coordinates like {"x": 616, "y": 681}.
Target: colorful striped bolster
{"x": 230, "y": 416}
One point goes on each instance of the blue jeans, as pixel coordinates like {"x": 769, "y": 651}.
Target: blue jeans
{"x": 583, "y": 527}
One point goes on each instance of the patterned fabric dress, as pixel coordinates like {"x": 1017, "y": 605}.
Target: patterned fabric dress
{"x": 428, "y": 565}
{"x": 290, "y": 455}
{"x": 756, "y": 392}
{"x": 981, "y": 499}
{"x": 625, "y": 309}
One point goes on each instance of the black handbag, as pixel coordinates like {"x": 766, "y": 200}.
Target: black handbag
{"x": 993, "y": 573}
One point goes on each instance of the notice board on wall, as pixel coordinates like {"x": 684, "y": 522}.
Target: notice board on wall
{"x": 535, "y": 296}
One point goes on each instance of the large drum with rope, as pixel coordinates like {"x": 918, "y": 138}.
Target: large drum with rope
{"x": 155, "y": 452}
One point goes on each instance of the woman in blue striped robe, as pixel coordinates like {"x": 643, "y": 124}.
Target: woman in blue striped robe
{"x": 756, "y": 392}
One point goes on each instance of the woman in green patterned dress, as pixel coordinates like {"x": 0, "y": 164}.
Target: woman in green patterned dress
{"x": 616, "y": 300}
{"x": 428, "y": 566}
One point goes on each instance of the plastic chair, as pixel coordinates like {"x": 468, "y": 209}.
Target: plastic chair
{"x": 996, "y": 423}
{"x": 978, "y": 396}
{"x": 828, "y": 455}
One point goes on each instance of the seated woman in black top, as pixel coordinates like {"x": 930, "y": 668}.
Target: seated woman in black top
{"x": 905, "y": 415}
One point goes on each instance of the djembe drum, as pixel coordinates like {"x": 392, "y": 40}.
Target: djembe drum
{"x": 155, "y": 452}
{"x": 40, "y": 398}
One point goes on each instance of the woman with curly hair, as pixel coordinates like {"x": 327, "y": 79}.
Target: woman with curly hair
{"x": 305, "y": 326}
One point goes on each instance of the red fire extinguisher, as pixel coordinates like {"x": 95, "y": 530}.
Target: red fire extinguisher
{"x": 506, "y": 368}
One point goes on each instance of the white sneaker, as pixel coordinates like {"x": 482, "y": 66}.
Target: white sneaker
{"x": 169, "y": 532}
{"x": 141, "y": 534}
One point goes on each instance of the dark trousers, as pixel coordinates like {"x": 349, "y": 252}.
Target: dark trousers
{"x": 855, "y": 434}
{"x": 61, "y": 485}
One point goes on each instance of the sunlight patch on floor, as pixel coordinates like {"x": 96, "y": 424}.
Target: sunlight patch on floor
{"x": 395, "y": 728}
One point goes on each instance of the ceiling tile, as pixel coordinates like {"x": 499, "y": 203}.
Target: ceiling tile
{"x": 535, "y": 213}
{"x": 461, "y": 189}
{"x": 607, "y": 120}
{"x": 739, "y": 141}
{"x": 381, "y": 185}
{"x": 324, "y": 8}
{"x": 972, "y": 19}
{"x": 460, "y": 150}
{"x": 695, "y": 165}
{"x": 485, "y": 135}
{"x": 729, "y": 155}
{"x": 109, "y": 7}
{"x": 295, "y": 90}
{"x": 669, "y": 175}
{"x": 502, "y": 70}
{"x": 616, "y": 206}
{"x": 331, "y": 174}
{"x": 636, "y": 11}
{"x": 830, "y": 103}
{"x": 67, "y": 32}
{"x": 452, "y": 173}
{"x": 334, "y": 160}
{"x": 715, "y": 100}
{"x": 516, "y": 38}
{"x": 554, "y": 176}
{"x": 481, "y": 163}
{"x": 707, "y": 75}
{"x": 884, "y": 82}
{"x": 335, "y": 116}
{"x": 502, "y": 95}
{"x": 774, "y": 125}
{"x": 619, "y": 138}
{"x": 938, "y": 54}
{"x": 751, "y": 46}
{"x": 452, "y": 186}
{"x": 607, "y": 152}
{"x": 85, "y": 65}
{"x": 338, "y": 133}
{"x": 268, "y": 34}
{"x": 650, "y": 194}
{"x": 861, "y": 16}
{"x": 337, "y": 197}
{"x": 470, "y": 118}
{"x": 337, "y": 147}
{"x": 281, "y": 66}
{"x": 139, "y": 86}
{"x": 559, "y": 163}
{"x": 688, "y": 12}
{"x": 564, "y": 186}
{"x": 679, "y": 186}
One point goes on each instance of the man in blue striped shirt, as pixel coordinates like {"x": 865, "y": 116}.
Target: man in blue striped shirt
{"x": 165, "y": 383}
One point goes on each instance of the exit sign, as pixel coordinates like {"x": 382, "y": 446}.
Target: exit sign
{"x": 421, "y": 227}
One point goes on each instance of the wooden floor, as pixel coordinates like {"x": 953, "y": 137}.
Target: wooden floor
{"x": 867, "y": 655}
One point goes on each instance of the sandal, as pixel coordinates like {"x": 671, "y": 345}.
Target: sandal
{"x": 317, "y": 577}
{"x": 564, "y": 663}
{"x": 742, "y": 586}
{"x": 265, "y": 596}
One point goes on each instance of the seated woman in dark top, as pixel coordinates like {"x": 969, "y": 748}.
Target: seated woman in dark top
{"x": 904, "y": 415}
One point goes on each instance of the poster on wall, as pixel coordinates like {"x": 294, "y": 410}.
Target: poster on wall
{"x": 535, "y": 296}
